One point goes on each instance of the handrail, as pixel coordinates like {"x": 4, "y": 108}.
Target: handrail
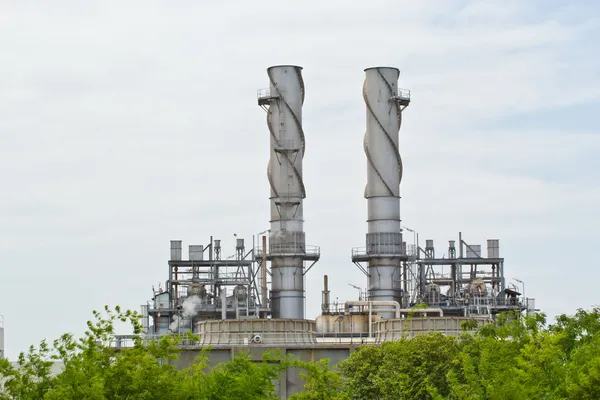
{"x": 362, "y": 251}
{"x": 402, "y": 94}
{"x": 267, "y": 93}
{"x": 288, "y": 249}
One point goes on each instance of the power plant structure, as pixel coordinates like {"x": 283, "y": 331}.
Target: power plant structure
{"x": 254, "y": 297}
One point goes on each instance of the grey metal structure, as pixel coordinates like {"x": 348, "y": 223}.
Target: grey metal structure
{"x": 287, "y": 250}
{"x": 464, "y": 281}
{"x": 226, "y": 301}
{"x": 206, "y": 286}
{"x": 384, "y": 250}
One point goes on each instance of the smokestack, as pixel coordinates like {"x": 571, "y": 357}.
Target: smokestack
{"x": 384, "y": 251}
{"x": 287, "y": 250}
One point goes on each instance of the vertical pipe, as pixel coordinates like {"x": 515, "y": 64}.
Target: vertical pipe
{"x": 404, "y": 279}
{"x": 460, "y": 244}
{"x": 453, "y": 274}
{"x": 325, "y": 298}
{"x": 176, "y": 288}
{"x": 223, "y": 303}
{"x": 405, "y": 285}
{"x": 263, "y": 273}
{"x": 370, "y": 320}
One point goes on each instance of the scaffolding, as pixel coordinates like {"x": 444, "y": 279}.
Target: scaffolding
{"x": 207, "y": 287}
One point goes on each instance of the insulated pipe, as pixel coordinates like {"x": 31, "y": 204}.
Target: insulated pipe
{"x": 223, "y": 303}
{"x": 371, "y": 304}
{"x": 398, "y": 310}
{"x": 325, "y": 299}
{"x": 263, "y": 274}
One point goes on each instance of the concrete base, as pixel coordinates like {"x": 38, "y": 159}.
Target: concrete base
{"x": 393, "y": 329}
{"x": 289, "y": 381}
{"x": 257, "y": 332}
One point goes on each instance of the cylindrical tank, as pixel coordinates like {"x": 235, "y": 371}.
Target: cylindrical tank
{"x": 240, "y": 293}
{"x": 239, "y": 244}
{"x": 356, "y": 323}
{"x": 196, "y": 289}
{"x": 325, "y": 323}
{"x": 348, "y": 323}
{"x": 477, "y": 288}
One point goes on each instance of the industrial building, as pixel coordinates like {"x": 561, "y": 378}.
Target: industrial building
{"x": 251, "y": 296}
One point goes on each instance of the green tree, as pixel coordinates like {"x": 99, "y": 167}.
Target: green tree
{"x": 404, "y": 369}
{"x": 518, "y": 357}
{"x": 93, "y": 370}
{"x": 512, "y": 359}
{"x": 321, "y": 383}
{"x": 360, "y": 371}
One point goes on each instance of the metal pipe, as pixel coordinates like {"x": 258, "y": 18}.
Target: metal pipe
{"x": 423, "y": 310}
{"x": 398, "y": 310}
{"x": 176, "y": 288}
{"x": 223, "y": 303}
{"x": 404, "y": 278}
{"x": 263, "y": 273}
{"x": 370, "y": 322}
{"x": 325, "y": 298}
{"x": 379, "y": 303}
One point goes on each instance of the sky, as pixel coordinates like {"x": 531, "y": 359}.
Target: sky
{"x": 124, "y": 125}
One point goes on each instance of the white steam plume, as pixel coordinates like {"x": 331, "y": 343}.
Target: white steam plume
{"x": 189, "y": 308}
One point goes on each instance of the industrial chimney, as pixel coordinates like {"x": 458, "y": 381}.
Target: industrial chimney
{"x": 384, "y": 252}
{"x": 287, "y": 250}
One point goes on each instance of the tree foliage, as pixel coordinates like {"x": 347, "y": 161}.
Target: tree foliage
{"x": 321, "y": 383}
{"x": 403, "y": 369}
{"x": 518, "y": 357}
{"x": 93, "y": 370}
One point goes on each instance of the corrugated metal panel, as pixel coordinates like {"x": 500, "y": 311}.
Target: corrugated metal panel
{"x": 162, "y": 300}
{"x": 196, "y": 252}
{"x": 493, "y": 246}
{"x": 176, "y": 250}
{"x": 473, "y": 251}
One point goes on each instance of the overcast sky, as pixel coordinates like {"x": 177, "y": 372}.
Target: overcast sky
{"x": 124, "y": 124}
